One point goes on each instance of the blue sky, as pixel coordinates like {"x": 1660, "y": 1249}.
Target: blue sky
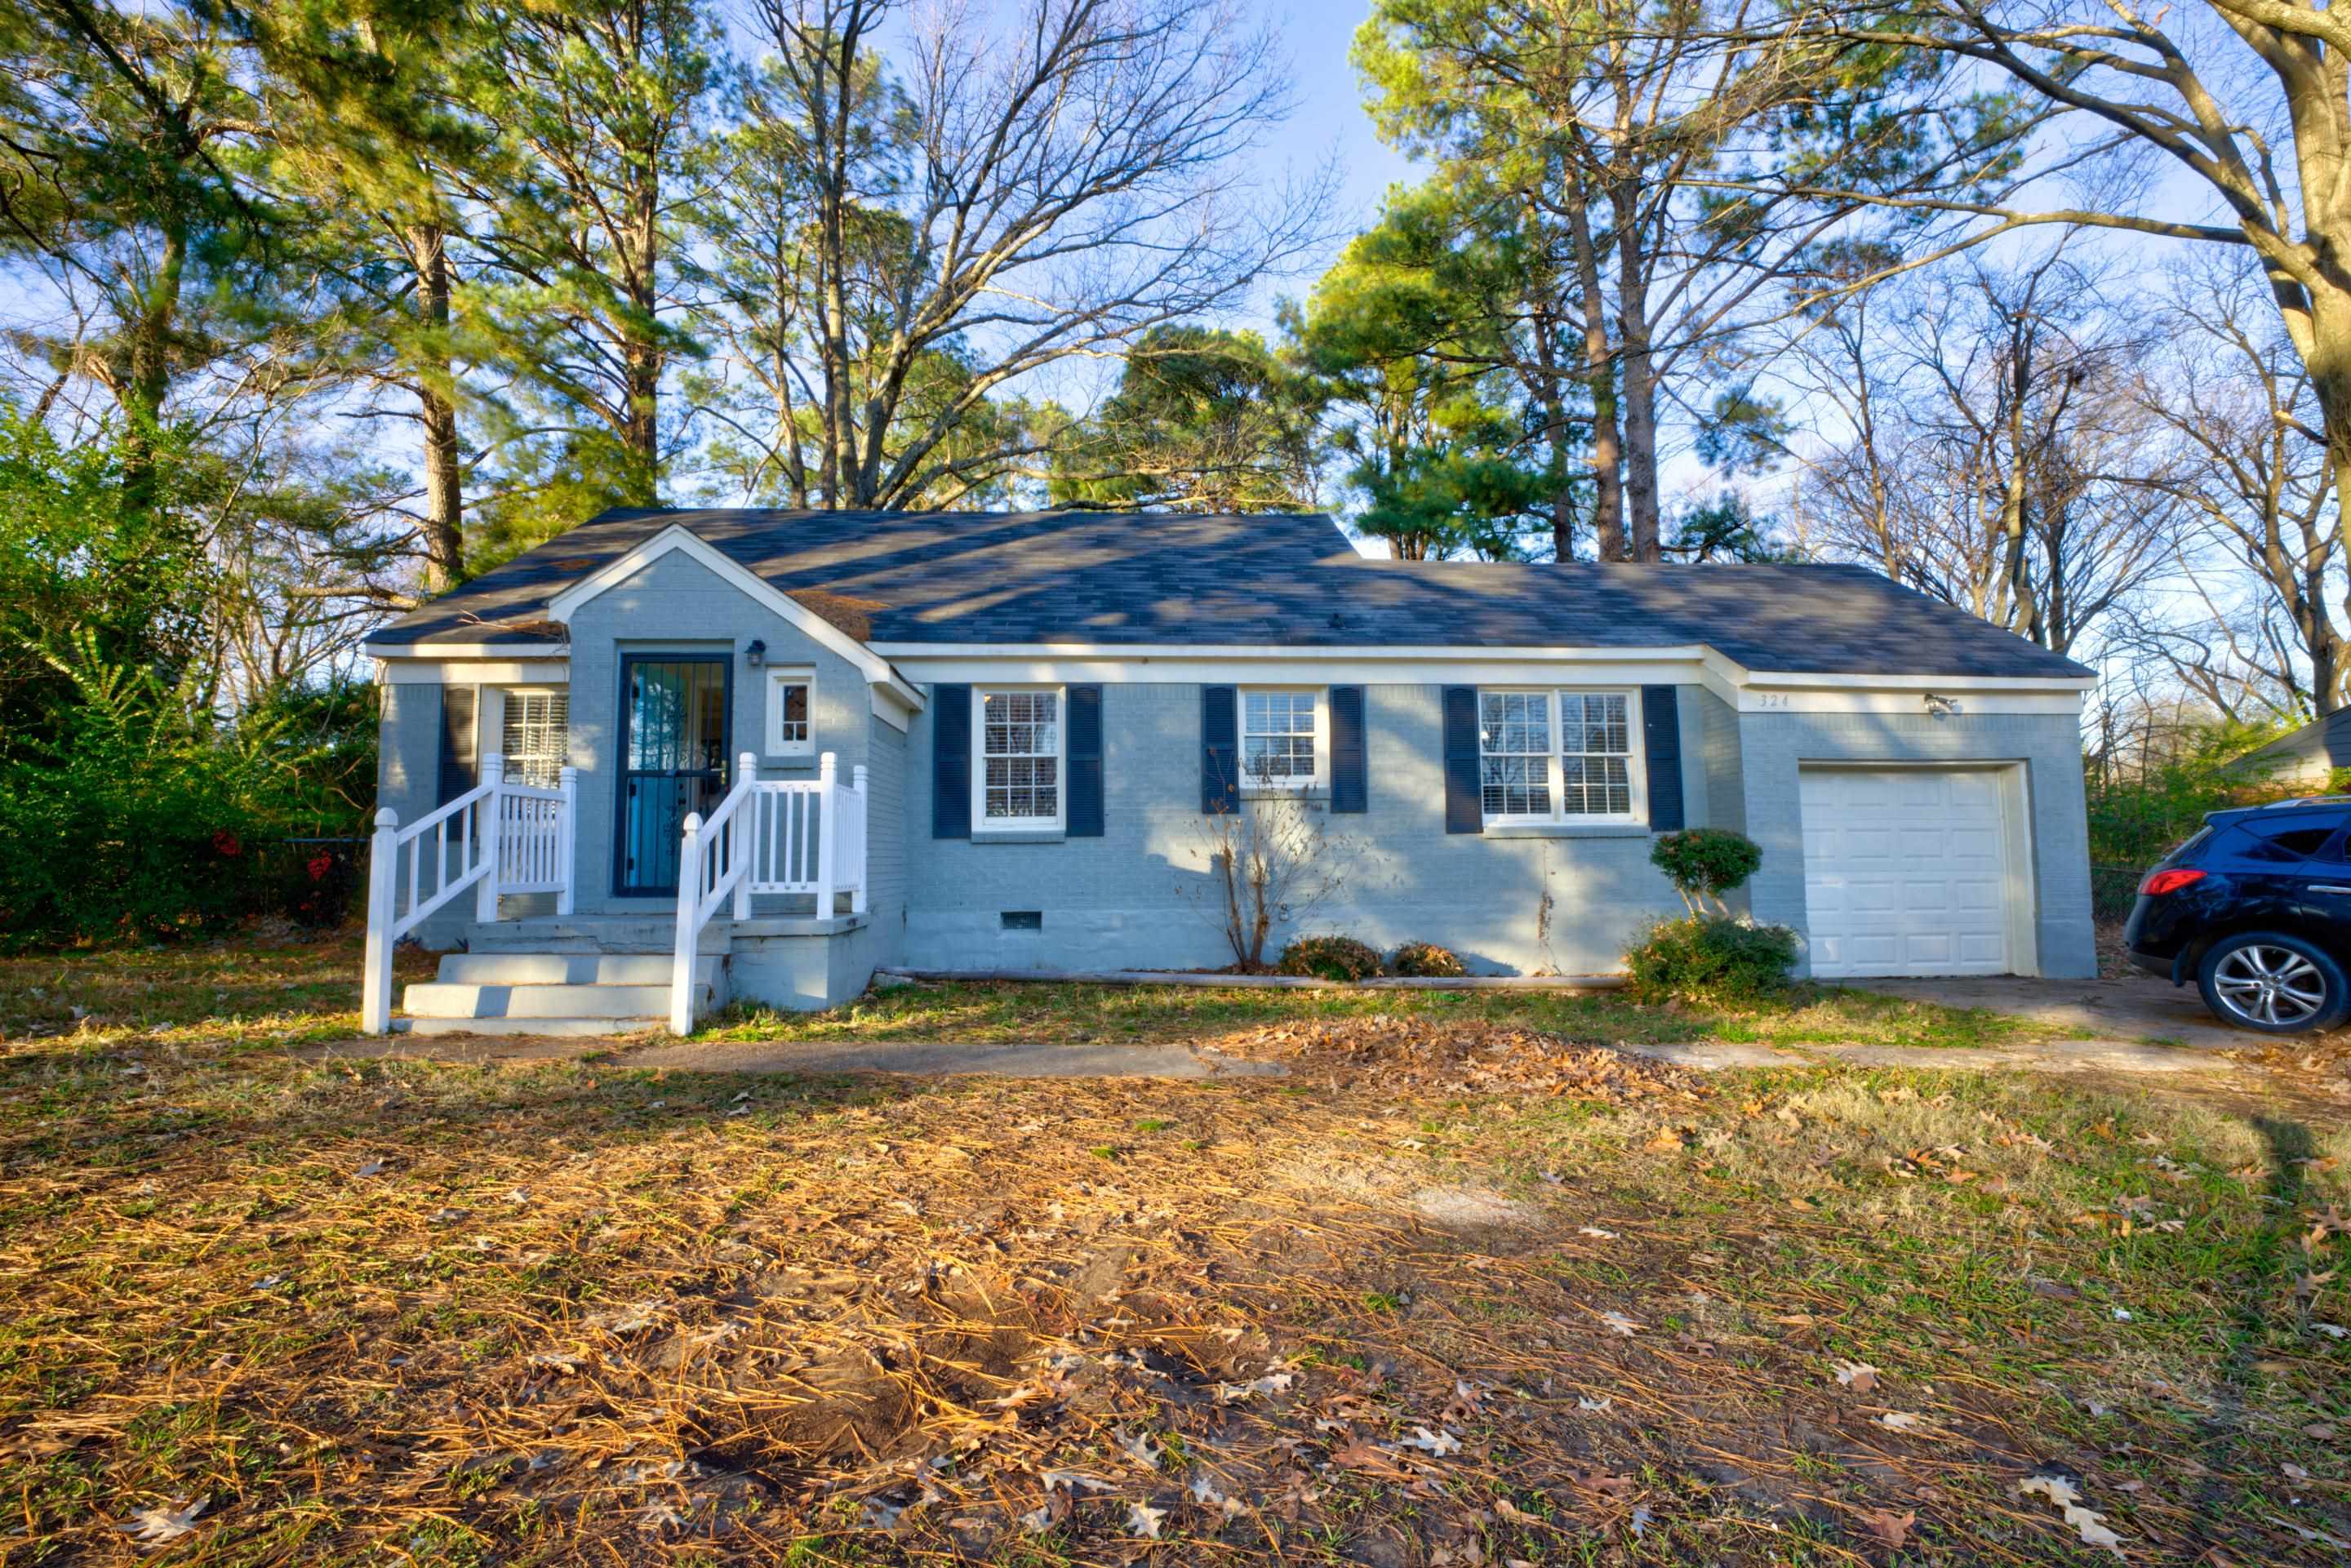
{"x": 1331, "y": 103}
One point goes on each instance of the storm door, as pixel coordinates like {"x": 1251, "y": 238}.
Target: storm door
{"x": 674, "y": 751}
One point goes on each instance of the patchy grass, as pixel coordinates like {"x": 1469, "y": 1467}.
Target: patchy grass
{"x": 249, "y": 991}
{"x": 1075, "y": 1014}
{"x": 265, "y": 993}
{"x": 1545, "y": 1303}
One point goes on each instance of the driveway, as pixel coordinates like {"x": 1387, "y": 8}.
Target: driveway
{"x": 2134, "y": 1007}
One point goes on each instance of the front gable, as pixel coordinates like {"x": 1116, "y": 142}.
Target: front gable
{"x": 676, "y": 541}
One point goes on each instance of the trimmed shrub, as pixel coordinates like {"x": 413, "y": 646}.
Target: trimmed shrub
{"x": 1427, "y": 960}
{"x": 1709, "y": 958}
{"x": 1706, "y": 862}
{"x": 1329, "y": 957}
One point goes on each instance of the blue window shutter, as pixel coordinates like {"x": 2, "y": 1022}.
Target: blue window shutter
{"x": 1085, "y": 736}
{"x": 1661, "y": 725}
{"x": 1220, "y": 750}
{"x": 461, "y": 767}
{"x": 1348, "y": 792}
{"x": 1464, "y": 813}
{"x": 950, "y": 762}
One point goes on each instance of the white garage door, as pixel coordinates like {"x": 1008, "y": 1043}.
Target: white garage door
{"x": 1904, "y": 870}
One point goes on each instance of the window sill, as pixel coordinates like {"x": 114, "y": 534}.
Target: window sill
{"x": 1019, "y": 835}
{"x": 1283, "y": 791}
{"x": 1567, "y": 831}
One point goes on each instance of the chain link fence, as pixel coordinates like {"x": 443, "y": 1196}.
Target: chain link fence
{"x": 2112, "y": 890}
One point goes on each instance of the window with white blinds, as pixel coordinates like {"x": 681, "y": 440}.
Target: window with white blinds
{"x": 536, "y": 725}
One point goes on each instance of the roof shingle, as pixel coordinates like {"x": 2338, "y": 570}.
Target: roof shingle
{"x": 1289, "y": 580}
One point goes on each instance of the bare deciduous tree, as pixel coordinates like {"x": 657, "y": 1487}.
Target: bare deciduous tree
{"x": 2001, "y": 448}
{"x": 2256, "y": 480}
{"x": 1272, "y": 860}
{"x": 2248, "y": 101}
{"x": 1047, "y": 183}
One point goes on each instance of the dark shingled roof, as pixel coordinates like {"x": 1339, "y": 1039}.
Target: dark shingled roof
{"x": 1289, "y": 580}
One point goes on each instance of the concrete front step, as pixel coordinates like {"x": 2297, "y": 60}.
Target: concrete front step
{"x": 441, "y": 999}
{"x": 561, "y": 1027}
{"x": 618, "y": 934}
{"x": 495, "y": 968}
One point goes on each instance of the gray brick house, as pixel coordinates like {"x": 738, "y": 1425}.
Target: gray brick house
{"x": 678, "y": 755}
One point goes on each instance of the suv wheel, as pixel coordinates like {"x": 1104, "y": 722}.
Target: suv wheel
{"x": 2274, "y": 982}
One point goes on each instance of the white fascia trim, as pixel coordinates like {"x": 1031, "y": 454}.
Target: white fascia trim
{"x": 1303, "y": 666}
{"x": 474, "y": 672}
{"x": 895, "y": 703}
{"x": 676, "y": 538}
{"x": 1747, "y": 691}
{"x": 1155, "y": 654}
{"x": 439, "y": 651}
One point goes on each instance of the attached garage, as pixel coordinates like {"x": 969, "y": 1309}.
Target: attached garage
{"x": 1917, "y": 870}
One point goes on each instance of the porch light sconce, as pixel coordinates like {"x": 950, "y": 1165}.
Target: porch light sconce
{"x": 756, "y": 654}
{"x": 1937, "y": 707}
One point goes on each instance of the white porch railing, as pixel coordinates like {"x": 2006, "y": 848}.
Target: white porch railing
{"x": 498, "y": 837}
{"x": 768, "y": 836}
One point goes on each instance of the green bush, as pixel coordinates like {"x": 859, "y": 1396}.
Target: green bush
{"x": 1427, "y": 960}
{"x": 1330, "y": 957}
{"x": 1709, "y": 958}
{"x": 1705, "y": 862}
{"x": 144, "y": 818}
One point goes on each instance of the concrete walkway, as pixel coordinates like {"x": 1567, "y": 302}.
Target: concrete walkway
{"x": 2134, "y": 1007}
{"x": 933, "y": 1058}
{"x": 1010, "y": 1061}
{"x": 2055, "y": 1056}
{"x": 1018, "y": 1060}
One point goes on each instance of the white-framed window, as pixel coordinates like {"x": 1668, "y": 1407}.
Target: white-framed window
{"x": 1282, "y": 736}
{"x": 1560, "y": 757}
{"x": 791, "y": 729}
{"x": 1017, "y": 774}
{"x": 534, "y": 736}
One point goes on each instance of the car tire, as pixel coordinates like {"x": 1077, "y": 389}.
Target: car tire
{"x": 2273, "y": 983}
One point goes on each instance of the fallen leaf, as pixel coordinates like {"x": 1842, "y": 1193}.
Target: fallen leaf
{"x": 372, "y": 1168}
{"x": 1605, "y": 1484}
{"x": 1599, "y": 1405}
{"x": 161, "y": 1526}
{"x": 1438, "y": 1443}
{"x": 1857, "y": 1375}
{"x": 1890, "y": 1529}
{"x": 1144, "y": 1520}
{"x": 1594, "y": 1231}
{"x": 1356, "y": 1454}
{"x": 1902, "y": 1421}
{"x": 1621, "y": 1323}
{"x": 2087, "y": 1523}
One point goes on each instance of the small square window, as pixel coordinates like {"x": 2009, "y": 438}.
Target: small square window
{"x": 791, "y": 730}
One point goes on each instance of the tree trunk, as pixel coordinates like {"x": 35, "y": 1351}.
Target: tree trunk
{"x": 1555, "y": 427}
{"x": 445, "y": 537}
{"x": 1640, "y": 376}
{"x": 1599, "y": 372}
{"x": 642, "y": 356}
{"x": 147, "y": 380}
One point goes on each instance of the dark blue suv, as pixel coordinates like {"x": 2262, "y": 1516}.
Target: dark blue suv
{"x": 2256, "y": 907}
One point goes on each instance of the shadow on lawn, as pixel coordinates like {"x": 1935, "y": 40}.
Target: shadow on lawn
{"x": 2273, "y": 1255}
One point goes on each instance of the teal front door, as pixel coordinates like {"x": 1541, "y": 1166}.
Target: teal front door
{"x": 673, "y": 760}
